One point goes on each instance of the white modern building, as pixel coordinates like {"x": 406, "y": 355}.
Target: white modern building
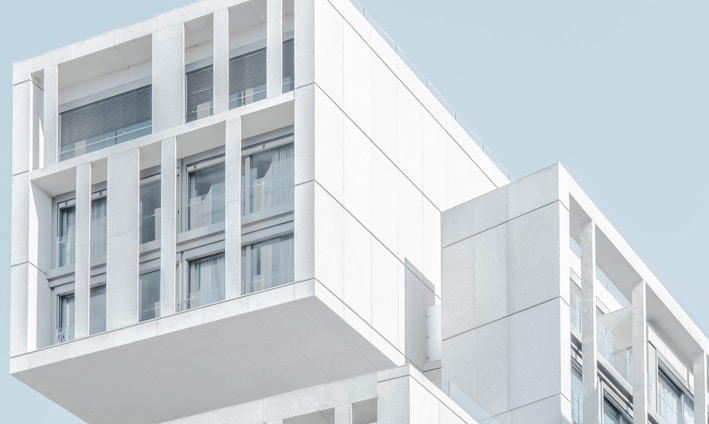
{"x": 255, "y": 212}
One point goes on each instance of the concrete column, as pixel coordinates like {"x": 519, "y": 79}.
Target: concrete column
{"x": 168, "y": 77}
{"x": 700, "y": 389}
{"x": 343, "y": 414}
{"x": 123, "y": 217}
{"x": 51, "y": 115}
{"x": 221, "y": 61}
{"x": 591, "y": 408}
{"x": 18, "y": 309}
{"x": 232, "y": 237}
{"x": 274, "y": 47}
{"x": 82, "y": 261}
{"x": 21, "y": 127}
{"x": 168, "y": 225}
{"x": 639, "y": 334}
{"x": 304, "y": 33}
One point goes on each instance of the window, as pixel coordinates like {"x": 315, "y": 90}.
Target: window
{"x": 149, "y": 295}
{"x": 288, "y": 66}
{"x": 575, "y": 307}
{"x": 65, "y": 318}
{"x": 267, "y": 264}
{"x": 267, "y": 178}
{"x": 150, "y": 209}
{"x": 576, "y": 396}
{"x": 611, "y": 415}
{"x": 199, "y": 88}
{"x": 247, "y": 78}
{"x": 106, "y": 122}
{"x": 205, "y": 193}
{"x": 66, "y": 233}
{"x": 97, "y": 309}
{"x": 205, "y": 283}
{"x": 674, "y": 406}
{"x": 98, "y": 227}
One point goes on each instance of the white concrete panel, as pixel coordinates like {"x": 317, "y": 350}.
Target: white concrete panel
{"x": 545, "y": 411}
{"x": 274, "y": 47}
{"x": 357, "y": 79}
{"x": 432, "y": 244}
{"x": 40, "y": 307}
{"x": 291, "y": 404}
{"x": 232, "y": 233}
{"x": 329, "y": 242}
{"x": 18, "y": 308}
{"x": 168, "y": 77}
{"x": 384, "y": 202}
{"x": 19, "y": 252}
{"x": 534, "y": 191}
{"x": 424, "y": 406}
{"x": 492, "y": 384}
{"x": 410, "y": 135}
{"x": 393, "y": 401}
{"x": 22, "y": 110}
{"x": 458, "y": 288}
{"x": 534, "y": 258}
{"x": 490, "y": 210}
{"x": 168, "y": 223}
{"x": 358, "y": 271}
{"x": 457, "y": 223}
{"x": 304, "y": 23}
{"x": 221, "y": 61}
{"x": 384, "y": 103}
{"x": 329, "y": 146}
{"x": 385, "y": 294}
{"x": 329, "y": 48}
{"x": 464, "y": 178}
{"x": 123, "y": 217}
{"x": 419, "y": 296}
{"x": 534, "y": 354}
{"x": 40, "y": 228}
{"x": 304, "y": 134}
{"x": 51, "y": 114}
{"x": 434, "y": 161}
{"x": 490, "y": 274}
{"x": 458, "y": 362}
{"x": 446, "y": 416}
{"x": 82, "y": 263}
{"x": 37, "y": 124}
{"x": 304, "y": 232}
{"x": 357, "y": 173}
{"x": 410, "y": 222}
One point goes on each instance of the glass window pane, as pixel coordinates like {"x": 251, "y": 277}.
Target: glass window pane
{"x": 206, "y": 282}
{"x": 65, "y": 318}
{"x": 688, "y": 410}
{"x": 206, "y": 197}
{"x": 98, "y": 229}
{"x": 270, "y": 180}
{"x": 576, "y": 397}
{"x": 150, "y": 295}
{"x": 668, "y": 400}
{"x": 97, "y": 310}
{"x": 271, "y": 264}
{"x": 150, "y": 211}
{"x": 66, "y": 236}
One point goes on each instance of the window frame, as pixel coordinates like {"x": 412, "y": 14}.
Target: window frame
{"x": 195, "y": 66}
{"x": 148, "y": 176}
{"x": 182, "y": 275}
{"x": 199, "y": 161}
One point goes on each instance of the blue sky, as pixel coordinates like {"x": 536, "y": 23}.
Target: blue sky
{"x": 616, "y": 91}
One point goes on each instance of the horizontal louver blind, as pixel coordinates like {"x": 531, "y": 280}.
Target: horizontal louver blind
{"x": 106, "y": 116}
{"x": 288, "y": 58}
{"x": 247, "y": 71}
{"x": 199, "y": 92}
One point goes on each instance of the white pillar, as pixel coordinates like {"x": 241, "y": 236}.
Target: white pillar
{"x": 232, "y": 237}
{"x": 123, "y": 223}
{"x": 343, "y": 414}
{"x": 700, "y": 389}
{"x": 274, "y": 47}
{"x": 304, "y": 34}
{"x": 221, "y": 61}
{"x": 22, "y": 96}
{"x": 168, "y": 77}
{"x": 168, "y": 225}
{"x": 82, "y": 261}
{"x": 639, "y": 335}
{"x": 51, "y": 114}
{"x": 591, "y": 408}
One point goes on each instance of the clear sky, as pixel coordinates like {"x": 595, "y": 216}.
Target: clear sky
{"x": 616, "y": 91}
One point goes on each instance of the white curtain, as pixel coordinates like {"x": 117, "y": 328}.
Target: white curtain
{"x": 282, "y": 177}
{"x": 272, "y": 261}
{"x": 208, "y": 281}
{"x": 66, "y": 239}
{"x": 98, "y": 229}
{"x": 65, "y": 326}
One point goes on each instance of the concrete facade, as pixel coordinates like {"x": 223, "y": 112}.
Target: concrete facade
{"x": 256, "y": 212}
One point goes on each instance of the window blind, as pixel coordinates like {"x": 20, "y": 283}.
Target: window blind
{"x": 105, "y": 122}
{"x": 288, "y": 65}
{"x": 199, "y": 93}
{"x": 247, "y": 78}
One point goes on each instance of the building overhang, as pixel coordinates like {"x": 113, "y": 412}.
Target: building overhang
{"x": 232, "y": 352}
